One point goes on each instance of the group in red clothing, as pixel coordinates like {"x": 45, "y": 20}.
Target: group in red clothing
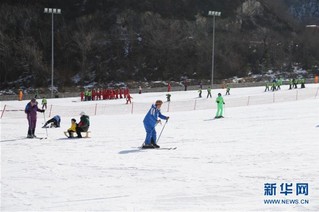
{"x": 104, "y": 94}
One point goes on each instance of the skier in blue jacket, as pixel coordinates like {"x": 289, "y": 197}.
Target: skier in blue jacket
{"x": 150, "y": 121}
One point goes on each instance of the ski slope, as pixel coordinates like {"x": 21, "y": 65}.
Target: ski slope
{"x": 219, "y": 165}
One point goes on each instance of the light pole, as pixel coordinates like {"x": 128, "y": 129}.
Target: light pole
{"x": 52, "y": 11}
{"x": 214, "y": 14}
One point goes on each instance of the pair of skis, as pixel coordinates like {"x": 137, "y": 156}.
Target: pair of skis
{"x": 161, "y": 148}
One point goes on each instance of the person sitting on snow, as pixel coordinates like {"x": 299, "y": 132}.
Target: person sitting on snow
{"x": 72, "y": 129}
{"x": 55, "y": 122}
{"x": 83, "y": 125}
{"x": 150, "y": 121}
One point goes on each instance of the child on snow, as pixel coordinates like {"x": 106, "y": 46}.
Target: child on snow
{"x": 72, "y": 129}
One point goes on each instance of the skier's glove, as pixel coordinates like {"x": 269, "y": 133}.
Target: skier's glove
{"x": 167, "y": 117}
{"x": 42, "y": 111}
{"x": 224, "y": 103}
{"x": 217, "y": 101}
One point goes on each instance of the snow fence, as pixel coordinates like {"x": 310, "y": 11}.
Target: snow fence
{"x": 109, "y": 108}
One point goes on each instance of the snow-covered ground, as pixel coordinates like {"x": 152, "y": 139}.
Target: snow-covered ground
{"x": 219, "y": 165}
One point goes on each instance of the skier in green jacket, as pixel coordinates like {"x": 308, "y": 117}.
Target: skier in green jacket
{"x": 220, "y": 104}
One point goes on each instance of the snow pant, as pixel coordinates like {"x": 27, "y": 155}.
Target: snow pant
{"x": 290, "y": 86}
{"x": 209, "y": 94}
{"x": 266, "y": 89}
{"x": 71, "y": 133}
{"x": 81, "y": 129}
{"x": 44, "y": 106}
{"x": 227, "y": 93}
{"x": 32, "y": 124}
{"x": 150, "y": 134}
{"x": 273, "y": 88}
{"x": 219, "y": 110}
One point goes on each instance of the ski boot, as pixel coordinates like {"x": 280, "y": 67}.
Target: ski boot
{"x": 154, "y": 144}
{"x": 148, "y": 146}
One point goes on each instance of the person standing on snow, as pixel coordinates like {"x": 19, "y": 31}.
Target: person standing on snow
{"x": 227, "y": 90}
{"x": 169, "y": 87}
{"x": 128, "y": 98}
{"x": 209, "y": 92}
{"x": 20, "y": 94}
{"x": 168, "y": 97}
{"x": 220, "y": 104}
{"x": 44, "y": 103}
{"x": 200, "y": 93}
{"x": 267, "y": 86}
{"x": 150, "y": 121}
{"x": 31, "y": 110}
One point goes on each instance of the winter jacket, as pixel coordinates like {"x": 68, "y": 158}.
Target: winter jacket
{"x": 220, "y": 100}
{"x": 84, "y": 122}
{"x": 73, "y": 127}
{"x": 152, "y": 117}
{"x": 31, "y": 111}
{"x": 44, "y": 101}
{"x": 57, "y": 118}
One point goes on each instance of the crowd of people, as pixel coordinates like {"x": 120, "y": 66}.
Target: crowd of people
{"x": 276, "y": 84}
{"x": 104, "y": 94}
{"x": 209, "y": 91}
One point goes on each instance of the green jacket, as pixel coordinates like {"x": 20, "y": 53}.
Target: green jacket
{"x": 220, "y": 100}
{"x": 290, "y": 82}
{"x": 84, "y": 121}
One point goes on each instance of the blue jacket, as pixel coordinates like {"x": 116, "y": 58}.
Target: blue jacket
{"x": 152, "y": 117}
{"x": 57, "y": 118}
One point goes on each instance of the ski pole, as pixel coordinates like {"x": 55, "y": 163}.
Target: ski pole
{"x": 162, "y": 131}
{"x": 46, "y": 129}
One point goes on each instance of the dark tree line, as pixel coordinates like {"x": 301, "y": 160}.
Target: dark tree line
{"x": 120, "y": 40}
